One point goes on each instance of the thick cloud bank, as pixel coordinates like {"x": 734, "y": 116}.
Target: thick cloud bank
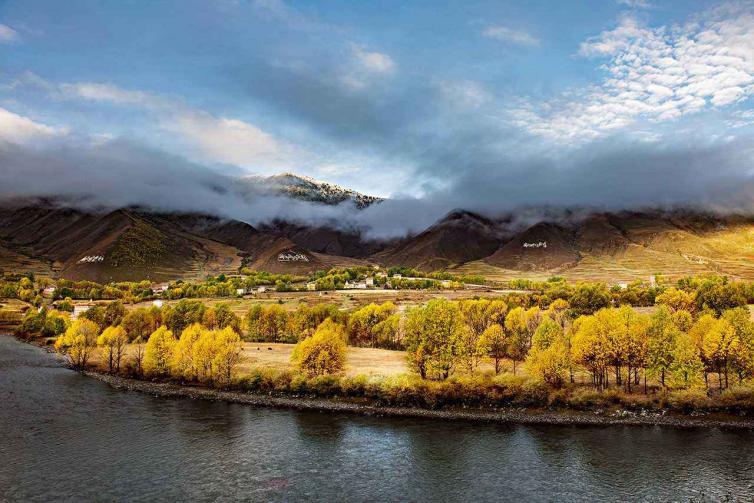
{"x": 608, "y": 175}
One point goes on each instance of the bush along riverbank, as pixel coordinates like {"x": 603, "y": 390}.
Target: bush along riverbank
{"x": 487, "y": 398}
{"x": 337, "y": 400}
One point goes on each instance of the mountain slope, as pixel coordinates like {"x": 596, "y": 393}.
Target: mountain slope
{"x": 459, "y": 237}
{"x": 128, "y": 244}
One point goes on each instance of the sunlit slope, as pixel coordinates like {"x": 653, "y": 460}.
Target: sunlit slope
{"x": 635, "y": 248}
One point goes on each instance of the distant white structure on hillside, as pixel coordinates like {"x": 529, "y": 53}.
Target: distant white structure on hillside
{"x": 91, "y": 259}
{"x": 290, "y": 256}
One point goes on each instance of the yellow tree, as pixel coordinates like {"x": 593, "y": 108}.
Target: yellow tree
{"x": 159, "y": 351}
{"x": 138, "y": 355}
{"x": 719, "y": 348}
{"x": 494, "y": 343}
{"x": 743, "y": 357}
{"x": 362, "y": 322}
{"x": 548, "y": 358}
{"x": 322, "y": 353}
{"x": 113, "y": 340}
{"x": 182, "y": 359}
{"x": 589, "y": 348}
{"x": 698, "y": 333}
{"x": 661, "y": 341}
{"x": 676, "y": 300}
{"x": 687, "y": 367}
{"x": 78, "y": 341}
{"x": 227, "y": 356}
{"x": 434, "y": 335}
{"x": 517, "y": 335}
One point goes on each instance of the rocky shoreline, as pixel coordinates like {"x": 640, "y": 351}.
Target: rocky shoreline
{"x": 501, "y": 416}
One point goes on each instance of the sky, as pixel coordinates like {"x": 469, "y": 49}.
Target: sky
{"x": 483, "y": 105}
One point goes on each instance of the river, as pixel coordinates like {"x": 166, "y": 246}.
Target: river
{"x": 65, "y": 437}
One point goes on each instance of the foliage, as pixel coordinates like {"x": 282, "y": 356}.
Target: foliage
{"x": 78, "y": 341}
{"x": 113, "y": 340}
{"x": 322, "y": 353}
{"x": 158, "y": 352}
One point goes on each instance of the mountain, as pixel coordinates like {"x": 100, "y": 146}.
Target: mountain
{"x": 130, "y": 244}
{"x": 309, "y": 189}
{"x": 625, "y": 246}
{"x": 459, "y": 237}
{"x": 47, "y": 237}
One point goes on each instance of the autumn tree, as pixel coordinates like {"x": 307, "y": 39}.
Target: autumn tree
{"x": 662, "y": 334}
{"x": 114, "y": 313}
{"x": 520, "y": 325}
{"x": 221, "y": 316}
{"x": 548, "y": 358}
{"x": 215, "y": 354}
{"x": 182, "y": 360}
{"x": 743, "y": 356}
{"x": 687, "y": 367}
{"x": 78, "y": 341}
{"x": 589, "y": 298}
{"x": 322, "y": 353}
{"x": 183, "y": 314}
{"x": 434, "y": 335}
{"x": 113, "y": 340}
{"x": 139, "y": 323}
{"x": 677, "y": 300}
{"x": 138, "y": 355}
{"x": 494, "y": 343}
{"x": 362, "y": 322}
{"x": 268, "y": 324}
{"x": 159, "y": 351}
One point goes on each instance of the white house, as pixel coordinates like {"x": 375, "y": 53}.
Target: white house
{"x": 159, "y": 288}
{"x": 397, "y": 276}
{"x": 157, "y": 303}
{"x": 78, "y": 309}
{"x": 369, "y": 282}
{"x": 240, "y": 292}
{"x": 261, "y": 289}
{"x": 311, "y": 286}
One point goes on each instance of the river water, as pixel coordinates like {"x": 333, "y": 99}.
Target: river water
{"x": 66, "y": 437}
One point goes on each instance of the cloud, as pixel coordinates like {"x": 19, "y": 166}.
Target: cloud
{"x": 376, "y": 62}
{"x": 95, "y": 91}
{"x": 7, "y": 34}
{"x": 509, "y": 35}
{"x": 18, "y": 129}
{"x": 635, "y": 4}
{"x": 225, "y": 140}
{"x": 211, "y": 138}
{"x": 657, "y": 74}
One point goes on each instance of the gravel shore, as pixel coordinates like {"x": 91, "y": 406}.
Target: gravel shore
{"x": 520, "y": 416}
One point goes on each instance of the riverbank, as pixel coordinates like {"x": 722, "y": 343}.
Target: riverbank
{"x": 503, "y": 416}
{"x": 603, "y": 416}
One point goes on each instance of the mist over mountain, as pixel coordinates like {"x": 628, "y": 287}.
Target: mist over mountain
{"x": 119, "y": 173}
